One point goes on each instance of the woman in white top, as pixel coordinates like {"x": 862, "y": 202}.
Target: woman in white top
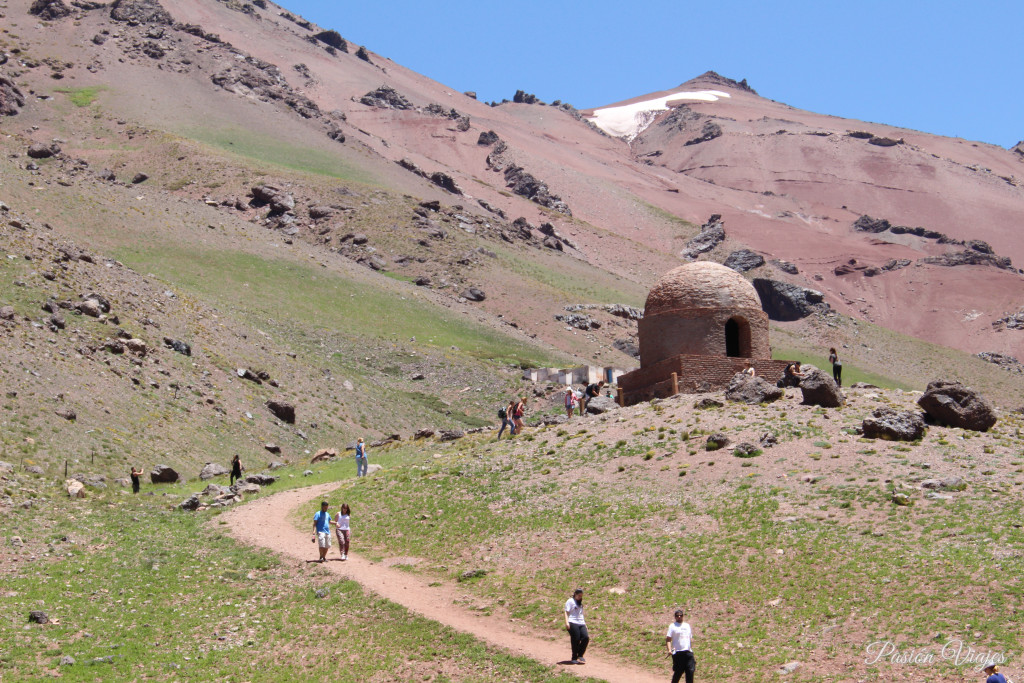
{"x": 677, "y": 640}
{"x": 576, "y": 626}
{"x": 343, "y": 530}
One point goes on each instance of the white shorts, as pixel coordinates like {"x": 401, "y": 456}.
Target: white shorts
{"x": 323, "y": 539}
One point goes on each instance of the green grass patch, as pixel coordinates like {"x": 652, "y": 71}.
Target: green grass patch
{"x": 82, "y": 97}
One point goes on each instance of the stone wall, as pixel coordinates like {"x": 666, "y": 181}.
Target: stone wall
{"x": 701, "y": 332}
{"x": 695, "y": 374}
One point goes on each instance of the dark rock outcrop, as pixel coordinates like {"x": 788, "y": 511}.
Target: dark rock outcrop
{"x": 746, "y": 389}
{"x": 955, "y": 405}
{"x": 11, "y": 97}
{"x": 445, "y": 182}
{"x": 710, "y": 131}
{"x": 39, "y": 150}
{"x": 49, "y": 10}
{"x": 282, "y": 411}
{"x": 473, "y": 294}
{"x": 451, "y": 434}
{"x": 487, "y": 138}
{"x": 1006, "y": 362}
{"x": 386, "y": 97}
{"x": 969, "y": 257}
{"x": 333, "y": 39}
{"x": 820, "y": 389}
{"x": 140, "y": 12}
{"x": 179, "y": 346}
{"x": 163, "y": 474}
{"x": 526, "y": 185}
{"x": 783, "y": 301}
{"x": 743, "y": 260}
{"x": 785, "y": 266}
{"x": 893, "y": 425}
{"x": 710, "y": 236}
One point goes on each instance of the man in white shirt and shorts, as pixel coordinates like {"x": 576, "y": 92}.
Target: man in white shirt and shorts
{"x": 677, "y": 640}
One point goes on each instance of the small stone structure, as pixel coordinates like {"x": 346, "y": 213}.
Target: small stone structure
{"x": 702, "y": 324}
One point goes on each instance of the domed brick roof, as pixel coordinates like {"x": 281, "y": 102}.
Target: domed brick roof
{"x": 701, "y": 285}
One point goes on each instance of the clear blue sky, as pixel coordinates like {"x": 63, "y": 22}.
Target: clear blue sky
{"x": 941, "y": 66}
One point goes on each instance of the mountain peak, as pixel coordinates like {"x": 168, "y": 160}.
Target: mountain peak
{"x": 715, "y": 78}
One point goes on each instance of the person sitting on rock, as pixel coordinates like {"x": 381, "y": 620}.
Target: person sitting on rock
{"x": 749, "y": 370}
{"x": 791, "y": 375}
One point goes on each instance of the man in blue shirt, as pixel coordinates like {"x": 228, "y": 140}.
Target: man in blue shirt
{"x": 322, "y": 530}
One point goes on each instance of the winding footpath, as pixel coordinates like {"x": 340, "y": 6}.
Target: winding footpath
{"x": 441, "y": 603}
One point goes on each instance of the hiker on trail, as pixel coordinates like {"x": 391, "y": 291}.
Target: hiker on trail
{"x": 592, "y": 392}
{"x": 570, "y": 402}
{"x": 837, "y": 367}
{"x": 992, "y": 671}
{"x": 236, "y": 468}
{"x": 576, "y": 626}
{"x": 360, "y": 458}
{"x": 341, "y": 526}
{"x": 506, "y": 419}
{"x": 518, "y": 410}
{"x": 677, "y": 640}
{"x": 136, "y": 473}
{"x": 322, "y": 530}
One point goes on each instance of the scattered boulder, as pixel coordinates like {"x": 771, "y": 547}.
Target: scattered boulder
{"x": 373, "y": 469}
{"x": 710, "y": 236}
{"x": 260, "y": 479}
{"x": 785, "y": 302}
{"x": 947, "y": 484}
{"x": 75, "y": 489}
{"x": 820, "y": 389}
{"x": 901, "y": 499}
{"x": 191, "y": 503}
{"x": 746, "y": 389}
{"x": 526, "y": 185}
{"x": 746, "y": 449}
{"x": 324, "y": 454}
{"x": 247, "y": 374}
{"x": 212, "y": 469}
{"x": 487, "y": 138}
{"x": 318, "y": 211}
{"x": 136, "y": 346}
{"x": 66, "y": 413}
{"x": 474, "y": 294}
{"x": 49, "y": 10}
{"x": 11, "y": 97}
{"x": 386, "y": 97}
{"x": 716, "y": 441}
{"x": 282, "y": 411}
{"x": 785, "y": 266}
{"x": 179, "y": 346}
{"x": 89, "y": 307}
{"x": 768, "y": 439}
{"x": 245, "y": 488}
{"x": 955, "y": 405}
{"x": 40, "y": 151}
{"x": 333, "y": 39}
{"x": 706, "y": 403}
{"x": 451, "y": 434}
{"x": 7, "y": 313}
{"x": 163, "y": 474}
{"x": 215, "y": 490}
{"x": 892, "y": 425}
{"x": 276, "y": 465}
{"x": 140, "y": 12}
{"x": 424, "y": 433}
{"x": 272, "y": 448}
{"x": 743, "y": 260}
{"x": 601, "y": 404}
{"x": 38, "y": 617}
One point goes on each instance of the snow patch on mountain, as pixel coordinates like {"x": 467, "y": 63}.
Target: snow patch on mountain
{"x": 629, "y": 120}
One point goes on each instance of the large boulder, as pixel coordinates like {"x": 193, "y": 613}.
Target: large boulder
{"x": 261, "y": 479}
{"x": 49, "y": 10}
{"x": 212, "y": 469}
{"x": 40, "y": 151}
{"x": 140, "y": 12}
{"x": 75, "y": 489}
{"x": 783, "y": 301}
{"x": 451, "y": 434}
{"x": 11, "y": 97}
{"x": 282, "y": 411}
{"x": 746, "y": 389}
{"x": 601, "y": 404}
{"x": 893, "y": 425}
{"x": 191, "y": 503}
{"x": 820, "y": 389}
{"x": 953, "y": 404}
{"x": 162, "y": 474}
{"x": 710, "y": 236}
{"x": 743, "y": 260}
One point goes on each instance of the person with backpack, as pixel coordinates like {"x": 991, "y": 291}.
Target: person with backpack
{"x": 361, "y": 466}
{"x": 506, "y": 419}
{"x": 570, "y": 402}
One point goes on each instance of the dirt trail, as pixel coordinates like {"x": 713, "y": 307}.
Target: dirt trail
{"x": 441, "y": 603}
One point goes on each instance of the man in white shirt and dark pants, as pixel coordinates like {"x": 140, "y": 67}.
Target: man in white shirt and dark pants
{"x": 578, "y": 636}
{"x": 677, "y": 640}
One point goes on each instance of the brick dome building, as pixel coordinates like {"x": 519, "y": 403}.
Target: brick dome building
{"x": 702, "y": 324}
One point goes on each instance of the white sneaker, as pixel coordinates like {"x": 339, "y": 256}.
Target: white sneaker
{"x": 344, "y": 556}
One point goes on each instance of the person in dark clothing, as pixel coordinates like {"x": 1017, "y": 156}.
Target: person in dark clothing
{"x": 593, "y": 391}
{"x": 791, "y": 376}
{"x": 136, "y": 473}
{"x": 576, "y": 626}
{"x": 507, "y": 419}
{"x": 236, "y": 469}
{"x": 837, "y": 367}
{"x": 993, "y": 675}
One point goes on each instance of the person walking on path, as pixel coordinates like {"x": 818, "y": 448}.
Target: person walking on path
{"x": 136, "y": 473}
{"x": 592, "y": 392}
{"x": 518, "y": 410}
{"x": 837, "y": 367}
{"x": 576, "y": 626}
{"x": 361, "y": 466}
{"x": 570, "y": 402}
{"x": 993, "y": 675}
{"x": 236, "y": 469}
{"x": 341, "y": 525}
{"x": 677, "y": 640}
{"x": 322, "y": 530}
{"x": 506, "y": 419}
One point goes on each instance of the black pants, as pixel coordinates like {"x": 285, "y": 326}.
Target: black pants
{"x": 578, "y": 639}
{"x": 683, "y": 663}
{"x": 135, "y": 485}
{"x": 235, "y": 474}
{"x": 837, "y": 374}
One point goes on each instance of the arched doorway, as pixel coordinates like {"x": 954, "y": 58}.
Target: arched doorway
{"x": 737, "y": 338}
